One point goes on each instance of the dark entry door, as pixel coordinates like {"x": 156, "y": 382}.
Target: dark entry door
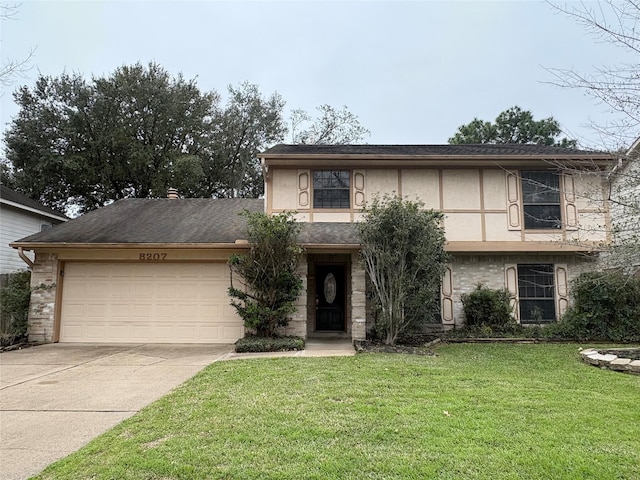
{"x": 330, "y": 296}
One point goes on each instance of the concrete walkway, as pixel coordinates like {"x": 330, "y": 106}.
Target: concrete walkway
{"x": 55, "y": 398}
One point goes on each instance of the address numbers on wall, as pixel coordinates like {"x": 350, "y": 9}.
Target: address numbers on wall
{"x": 152, "y": 257}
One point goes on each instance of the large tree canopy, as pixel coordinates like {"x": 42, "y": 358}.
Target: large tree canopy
{"x": 513, "y": 126}
{"x": 134, "y": 134}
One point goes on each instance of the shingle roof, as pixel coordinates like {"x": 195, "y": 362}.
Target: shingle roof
{"x": 166, "y": 221}
{"x": 484, "y": 149}
{"x": 329, "y": 234}
{"x": 9, "y": 195}
{"x": 162, "y": 220}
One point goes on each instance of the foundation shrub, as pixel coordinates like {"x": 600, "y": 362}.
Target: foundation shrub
{"x": 254, "y": 343}
{"x": 488, "y": 308}
{"x": 606, "y": 306}
{"x": 14, "y": 298}
{"x": 264, "y": 282}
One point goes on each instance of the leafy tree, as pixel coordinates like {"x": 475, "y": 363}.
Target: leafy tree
{"x": 513, "y": 126}
{"x": 330, "y": 127}
{"x": 134, "y": 134}
{"x": 89, "y": 143}
{"x": 270, "y": 284}
{"x": 402, "y": 250}
{"x": 248, "y": 123}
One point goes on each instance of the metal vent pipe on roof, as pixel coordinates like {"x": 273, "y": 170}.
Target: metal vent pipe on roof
{"x": 172, "y": 193}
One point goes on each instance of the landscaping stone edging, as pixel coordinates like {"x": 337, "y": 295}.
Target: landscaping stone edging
{"x": 611, "y": 361}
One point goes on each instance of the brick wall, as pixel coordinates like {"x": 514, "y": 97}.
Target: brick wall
{"x": 298, "y": 321}
{"x": 358, "y": 300}
{"x": 469, "y": 270}
{"x": 44, "y": 276}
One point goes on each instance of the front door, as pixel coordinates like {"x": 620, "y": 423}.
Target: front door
{"x": 330, "y": 296}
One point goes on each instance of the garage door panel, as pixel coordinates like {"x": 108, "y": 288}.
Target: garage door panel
{"x": 161, "y": 303}
{"x": 231, "y": 332}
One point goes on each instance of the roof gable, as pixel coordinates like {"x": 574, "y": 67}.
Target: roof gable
{"x": 18, "y": 200}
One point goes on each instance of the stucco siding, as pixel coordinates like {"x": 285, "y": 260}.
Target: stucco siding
{"x": 461, "y": 189}
{"x": 422, "y": 184}
{"x": 380, "y": 182}
{"x": 285, "y": 189}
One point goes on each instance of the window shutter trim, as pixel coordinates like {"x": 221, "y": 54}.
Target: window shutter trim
{"x": 511, "y": 284}
{"x": 513, "y": 201}
{"x": 304, "y": 189}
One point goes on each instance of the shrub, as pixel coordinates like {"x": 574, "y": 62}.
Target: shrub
{"x": 253, "y": 343}
{"x": 15, "y": 299}
{"x": 487, "y": 307}
{"x": 402, "y": 252}
{"x": 270, "y": 284}
{"x": 606, "y": 306}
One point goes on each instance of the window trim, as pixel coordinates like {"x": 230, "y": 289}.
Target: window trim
{"x": 315, "y": 189}
{"x": 559, "y": 224}
{"x": 552, "y": 299}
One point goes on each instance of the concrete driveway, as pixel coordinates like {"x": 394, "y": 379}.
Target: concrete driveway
{"x": 55, "y": 398}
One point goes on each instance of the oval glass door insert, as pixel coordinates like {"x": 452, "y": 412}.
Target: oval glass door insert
{"x": 330, "y": 288}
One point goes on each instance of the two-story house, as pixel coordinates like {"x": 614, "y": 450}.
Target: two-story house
{"x": 154, "y": 270}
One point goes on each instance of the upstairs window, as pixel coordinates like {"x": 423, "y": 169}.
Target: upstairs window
{"x": 331, "y": 189}
{"x": 536, "y": 293}
{"x": 541, "y": 200}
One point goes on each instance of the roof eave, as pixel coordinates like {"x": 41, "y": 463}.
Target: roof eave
{"x": 417, "y": 160}
{"x": 20, "y": 206}
{"x": 240, "y": 243}
{"x": 453, "y": 247}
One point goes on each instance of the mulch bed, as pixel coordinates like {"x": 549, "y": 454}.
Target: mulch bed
{"x": 419, "y": 346}
{"x": 18, "y": 345}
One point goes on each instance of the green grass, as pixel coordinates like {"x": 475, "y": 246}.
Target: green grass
{"x": 471, "y": 412}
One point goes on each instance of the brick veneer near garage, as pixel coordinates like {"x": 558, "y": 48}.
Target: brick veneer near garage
{"x": 44, "y": 289}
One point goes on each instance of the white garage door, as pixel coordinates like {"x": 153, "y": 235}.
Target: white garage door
{"x": 147, "y": 302}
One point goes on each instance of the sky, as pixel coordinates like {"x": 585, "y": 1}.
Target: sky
{"x": 413, "y": 72}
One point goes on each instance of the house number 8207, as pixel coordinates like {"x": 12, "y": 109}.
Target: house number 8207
{"x": 152, "y": 256}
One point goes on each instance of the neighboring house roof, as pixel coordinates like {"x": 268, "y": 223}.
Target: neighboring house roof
{"x": 15, "y": 199}
{"x": 174, "y": 221}
{"x": 466, "y": 150}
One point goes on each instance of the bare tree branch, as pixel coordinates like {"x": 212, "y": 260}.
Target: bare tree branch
{"x": 12, "y": 69}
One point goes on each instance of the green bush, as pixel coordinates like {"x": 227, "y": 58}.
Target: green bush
{"x": 254, "y": 343}
{"x": 402, "y": 253}
{"x": 268, "y": 284}
{"x": 487, "y": 307}
{"x": 15, "y": 299}
{"x": 606, "y": 306}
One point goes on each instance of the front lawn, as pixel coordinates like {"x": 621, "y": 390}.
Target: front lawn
{"x": 471, "y": 412}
